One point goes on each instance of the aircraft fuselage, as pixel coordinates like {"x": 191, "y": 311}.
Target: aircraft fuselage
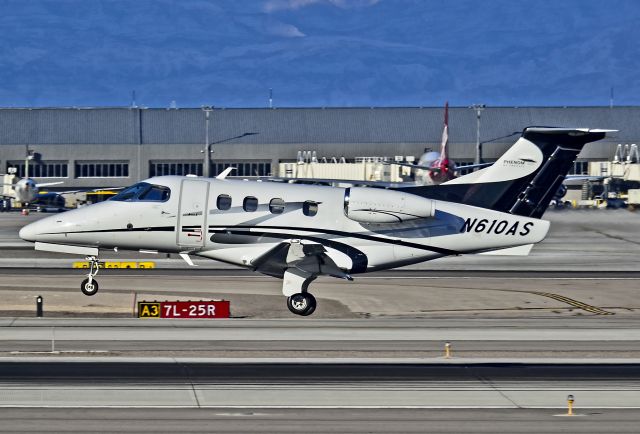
{"x": 240, "y": 221}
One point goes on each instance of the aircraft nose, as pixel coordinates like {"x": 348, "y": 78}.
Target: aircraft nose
{"x": 28, "y": 232}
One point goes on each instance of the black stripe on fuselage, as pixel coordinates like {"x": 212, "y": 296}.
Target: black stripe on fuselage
{"x": 339, "y": 233}
{"x": 144, "y": 229}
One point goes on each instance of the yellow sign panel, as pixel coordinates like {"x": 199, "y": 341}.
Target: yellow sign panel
{"x": 115, "y": 264}
{"x": 148, "y": 310}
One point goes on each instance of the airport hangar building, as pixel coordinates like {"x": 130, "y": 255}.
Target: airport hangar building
{"x": 115, "y": 147}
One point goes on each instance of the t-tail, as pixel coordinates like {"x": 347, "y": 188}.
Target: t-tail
{"x": 525, "y": 179}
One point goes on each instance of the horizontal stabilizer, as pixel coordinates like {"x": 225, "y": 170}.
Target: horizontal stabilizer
{"x": 511, "y": 251}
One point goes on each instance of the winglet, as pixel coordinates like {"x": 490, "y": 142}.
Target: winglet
{"x": 226, "y": 171}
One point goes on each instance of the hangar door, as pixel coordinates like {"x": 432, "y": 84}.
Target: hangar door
{"x": 193, "y": 213}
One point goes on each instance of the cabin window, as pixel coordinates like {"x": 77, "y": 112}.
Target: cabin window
{"x": 145, "y": 192}
{"x": 250, "y": 204}
{"x": 276, "y": 206}
{"x": 310, "y": 208}
{"x": 224, "y": 202}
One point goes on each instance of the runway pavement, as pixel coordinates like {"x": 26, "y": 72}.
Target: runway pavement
{"x": 185, "y": 383}
{"x": 280, "y": 421}
{"x": 299, "y": 338}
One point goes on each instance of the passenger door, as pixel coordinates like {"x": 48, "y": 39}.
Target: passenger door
{"x": 192, "y": 213}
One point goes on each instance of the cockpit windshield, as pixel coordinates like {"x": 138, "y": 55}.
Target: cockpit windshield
{"x": 143, "y": 192}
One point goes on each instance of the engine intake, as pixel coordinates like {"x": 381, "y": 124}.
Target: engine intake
{"x": 374, "y": 205}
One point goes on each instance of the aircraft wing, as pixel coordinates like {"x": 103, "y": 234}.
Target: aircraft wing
{"x": 413, "y": 166}
{"x": 584, "y": 178}
{"x": 579, "y": 179}
{"x": 343, "y": 182}
{"x": 93, "y": 190}
{"x": 437, "y": 169}
{"x": 49, "y": 184}
{"x": 474, "y": 166}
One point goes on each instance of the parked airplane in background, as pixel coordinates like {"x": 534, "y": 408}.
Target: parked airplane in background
{"x": 26, "y": 190}
{"x": 435, "y": 168}
{"x": 299, "y": 232}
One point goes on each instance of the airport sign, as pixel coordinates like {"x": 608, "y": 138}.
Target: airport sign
{"x": 184, "y": 309}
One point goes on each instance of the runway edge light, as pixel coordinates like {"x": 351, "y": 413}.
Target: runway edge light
{"x": 447, "y": 350}
{"x": 570, "y": 401}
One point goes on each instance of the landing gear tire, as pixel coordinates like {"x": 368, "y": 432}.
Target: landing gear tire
{"x": 89, "y": 288}
{"x": 303, "y": 304}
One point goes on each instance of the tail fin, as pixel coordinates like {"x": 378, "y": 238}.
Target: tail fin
{"x": 524, "y": 180}
{"x": 444, "y": 156}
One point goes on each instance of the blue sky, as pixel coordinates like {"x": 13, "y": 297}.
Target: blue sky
{"x": 319, "y": 52}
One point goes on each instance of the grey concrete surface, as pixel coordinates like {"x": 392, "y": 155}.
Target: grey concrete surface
{"x": 417, "y": 294}
{"x": 593, "y": 338}
{"x": 202, "y": 384}
{"x": 314, "y": 421}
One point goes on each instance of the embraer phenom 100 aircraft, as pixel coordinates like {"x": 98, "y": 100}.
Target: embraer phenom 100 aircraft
{"x": 298, "y": 232}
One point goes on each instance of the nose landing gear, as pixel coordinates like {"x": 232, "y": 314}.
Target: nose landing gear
{"x": 89, "y": 286}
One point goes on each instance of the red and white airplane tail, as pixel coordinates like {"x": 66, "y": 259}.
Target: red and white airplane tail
{"x": 445, "y": 134}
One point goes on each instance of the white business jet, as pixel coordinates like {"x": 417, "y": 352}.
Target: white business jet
{"x": 299, "y": 232}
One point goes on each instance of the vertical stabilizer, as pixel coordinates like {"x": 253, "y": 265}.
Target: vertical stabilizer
{"x": 525, "y": 178}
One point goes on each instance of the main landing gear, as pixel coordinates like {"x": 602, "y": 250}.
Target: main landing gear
{"x": 302, "y": 303}
{"x": 294, "y": 287}
{"x": 304, "y": 262}
{"x": 89, "y": 286}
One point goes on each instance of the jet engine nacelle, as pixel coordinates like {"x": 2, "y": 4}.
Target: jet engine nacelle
{"x": 375, "y": 205}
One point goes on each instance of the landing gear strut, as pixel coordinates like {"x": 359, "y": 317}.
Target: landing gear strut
{"x": 302, "y": 303}
{"x": 294, "y": 287}
{"x": 89, "y": 286}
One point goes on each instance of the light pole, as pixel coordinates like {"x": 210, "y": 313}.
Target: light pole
{"x": 478, "y": 108}
{"x": 206, "y": 165}
{"x": 29, "y": 155}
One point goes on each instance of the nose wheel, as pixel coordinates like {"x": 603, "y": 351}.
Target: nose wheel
{"x": 89, "y": 286}
{"x": 303, "y": 303}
